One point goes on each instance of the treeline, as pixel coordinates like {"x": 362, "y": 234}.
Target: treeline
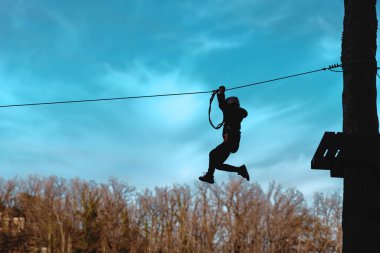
{"x": 52, "y": 214}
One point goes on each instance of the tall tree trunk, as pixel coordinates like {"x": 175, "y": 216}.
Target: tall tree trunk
{"x": 361, "y": 209}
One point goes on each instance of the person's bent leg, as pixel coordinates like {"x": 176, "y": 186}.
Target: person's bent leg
{"x": 218, "y": 156}
{"x": 233, "y": 146}
{"x": 227, "y": 167}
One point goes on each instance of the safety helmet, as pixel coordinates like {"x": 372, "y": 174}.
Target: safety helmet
{"x": 234, "y": 101}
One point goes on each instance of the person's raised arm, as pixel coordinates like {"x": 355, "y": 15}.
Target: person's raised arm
{"x": 222, "y": 98}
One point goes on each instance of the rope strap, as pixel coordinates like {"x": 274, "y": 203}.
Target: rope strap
{"x": 209, "y": 112}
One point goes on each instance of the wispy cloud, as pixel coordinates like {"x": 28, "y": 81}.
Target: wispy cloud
{"x": 330, "y": 48}
{"x": 69, "y": 33}
{"x": 14, "y": 11}
{"x": 204, "y": 44}
{"x": 143, "y": 80}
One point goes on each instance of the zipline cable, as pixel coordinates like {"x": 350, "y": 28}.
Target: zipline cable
{"x": 104, "y": 99}
{"x": 169, "y": 94}
{"x": 289, "y": 76}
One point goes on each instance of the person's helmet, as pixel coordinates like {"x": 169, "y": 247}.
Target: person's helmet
{"x": 233, "y": 101}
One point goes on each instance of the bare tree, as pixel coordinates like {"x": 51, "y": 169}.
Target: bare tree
{"x": 67, "y": 216}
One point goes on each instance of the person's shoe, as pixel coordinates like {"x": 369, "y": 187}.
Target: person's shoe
{"x": 243, "y": 172}
{"x": 208, "y": 178}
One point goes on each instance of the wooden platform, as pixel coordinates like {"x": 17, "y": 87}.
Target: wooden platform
{"x": 338, "y": 151}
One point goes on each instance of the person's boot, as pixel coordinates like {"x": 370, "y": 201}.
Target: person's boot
{"x": 243, "y": 172}
{"x": 208, "y": 178}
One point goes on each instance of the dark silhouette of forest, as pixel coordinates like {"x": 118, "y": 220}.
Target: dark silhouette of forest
{"x": 39, "y": 214}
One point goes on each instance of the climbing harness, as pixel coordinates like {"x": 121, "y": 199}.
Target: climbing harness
{"x": 209, "y": 112}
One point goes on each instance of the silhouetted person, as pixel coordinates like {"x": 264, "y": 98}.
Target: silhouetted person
{"x": 233, "y": 115}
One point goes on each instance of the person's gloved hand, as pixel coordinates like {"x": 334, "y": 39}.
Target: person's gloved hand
{"x": 222, "y": 89}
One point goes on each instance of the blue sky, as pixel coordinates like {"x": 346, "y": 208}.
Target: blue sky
{"x": 64, "y": 50}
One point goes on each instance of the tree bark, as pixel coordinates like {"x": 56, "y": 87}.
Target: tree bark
{"x": 361, "y": 209}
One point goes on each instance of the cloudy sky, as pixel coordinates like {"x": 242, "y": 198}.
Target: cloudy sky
{"x": 67, "y": 50}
